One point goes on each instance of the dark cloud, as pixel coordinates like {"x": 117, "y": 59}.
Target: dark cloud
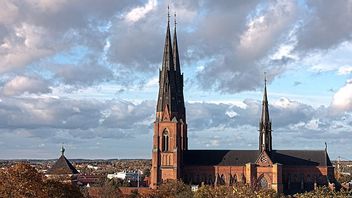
{"x": 83, "y": 74}
{"x": 328, "y": 25}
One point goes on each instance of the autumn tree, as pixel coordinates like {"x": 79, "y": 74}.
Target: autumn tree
{"x": 22, "y": 180}
{"x": 324, "y": 192}
{"x": 110, "y": 190}
{"x": 237, "y": 191}
{"x": 174, "y": 189}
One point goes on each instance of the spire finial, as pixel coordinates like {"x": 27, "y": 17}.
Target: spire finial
{"x": 62, "y": 150}
{"x": 265, "y": 78}
{"x": 175, "y": 19}
{"x": 326, "y": 146}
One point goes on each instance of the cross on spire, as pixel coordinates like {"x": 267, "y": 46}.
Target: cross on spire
{"x": 62, "y": 150}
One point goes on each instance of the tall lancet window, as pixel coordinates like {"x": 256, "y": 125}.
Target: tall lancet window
{"x": 165, "y": 141}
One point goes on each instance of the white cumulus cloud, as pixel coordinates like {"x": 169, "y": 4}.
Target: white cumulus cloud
{"x": 137, "y": 13}
{"x": 342, "y": 100}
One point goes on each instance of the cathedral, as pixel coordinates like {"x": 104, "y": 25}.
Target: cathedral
{"x": 285, "y": 171}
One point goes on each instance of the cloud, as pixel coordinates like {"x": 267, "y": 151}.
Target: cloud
{"x": 234, "y": 41}
{"x": 344, "y": 70}
{"x": 25, "y": 84}
{"x": 342, "y": 100}
{"x": 326, "y": 25}
{"x": 86, "y": 74}
{"x": 137, "y": 13}
{"x": 81, "y": 118}
{"x": 33, "y": 31}
{"x": 237, "y": 66}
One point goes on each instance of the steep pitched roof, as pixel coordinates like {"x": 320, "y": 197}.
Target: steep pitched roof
{"x": 219, "y": 157}
{"x": 301, "y": 157}
{"x": 241, "y": 157}
{"x": 62, "y": 166}
{"x": 167, "y": 82}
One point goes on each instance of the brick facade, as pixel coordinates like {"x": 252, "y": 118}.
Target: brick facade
{"x": 281, "y": 170}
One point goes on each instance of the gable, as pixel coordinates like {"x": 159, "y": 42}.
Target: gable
{"x": 264, "y": 159}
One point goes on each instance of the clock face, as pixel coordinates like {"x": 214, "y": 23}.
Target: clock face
{"x": 263, "y": 159}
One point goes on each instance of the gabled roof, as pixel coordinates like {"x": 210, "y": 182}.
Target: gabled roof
{"x": 62, "y": 166}
{"x": 241, "y": 157}
{"x": 301, "y": 157}
{"x": 219, "y": 157}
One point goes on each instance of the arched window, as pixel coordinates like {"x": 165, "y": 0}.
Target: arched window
{"x": 263, "y": 183}
{"x": 165, "y": 141}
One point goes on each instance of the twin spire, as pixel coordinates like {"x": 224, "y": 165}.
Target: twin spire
{"x": 171, "y": 79}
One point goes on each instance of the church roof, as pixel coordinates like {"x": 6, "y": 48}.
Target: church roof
{"x": 301, "y": 157}
{"x": 241, "y": 157}
{"x": 219, "y": 157}
{"x": 62, "y": 166}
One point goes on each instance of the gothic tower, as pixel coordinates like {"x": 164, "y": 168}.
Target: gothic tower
{"x": 265, "y": 140}
{"x": 170, "y": 128}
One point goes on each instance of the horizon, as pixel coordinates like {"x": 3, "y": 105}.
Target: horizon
{"x": 85, "y": 75}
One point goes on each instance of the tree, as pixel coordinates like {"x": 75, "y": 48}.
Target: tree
{"x": 110, "y": 190}
{"x": 344, "y": 178}
{"x": 59, "y": 190}
{"x": 238, "y": 191}
{"x": 174, "y": 189}
{"x": 324, "y": 192}
{"x": 22, "y": 180}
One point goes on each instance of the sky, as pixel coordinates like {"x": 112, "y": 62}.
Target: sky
{"x": 84, "y": 74}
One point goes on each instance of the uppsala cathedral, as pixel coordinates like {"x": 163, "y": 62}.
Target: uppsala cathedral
{"x": 282, "y": 170}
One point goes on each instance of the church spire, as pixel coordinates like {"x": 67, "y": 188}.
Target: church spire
{"x": 265, "y": 138}
{"x": 175, "y": 50}
{"x": 265, "y": 110}
{"x": 179, "y": 77}
{"x": 167, "y": 57}
{"x": 167, "y": 84}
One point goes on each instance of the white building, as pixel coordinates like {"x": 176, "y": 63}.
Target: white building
{"x": 131, "y": 176}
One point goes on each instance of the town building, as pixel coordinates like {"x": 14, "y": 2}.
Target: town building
{"x": 124, "y": 175}
{"x": 62, "y": 170}
{"x": 286, "y": 171}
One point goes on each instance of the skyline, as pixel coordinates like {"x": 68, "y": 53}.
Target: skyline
{"x": 85, "y": 74}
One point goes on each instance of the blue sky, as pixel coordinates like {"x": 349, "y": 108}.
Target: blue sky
{"x": 85, "y": 74}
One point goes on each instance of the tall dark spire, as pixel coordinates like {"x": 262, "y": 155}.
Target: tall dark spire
{"x": 179, "y": 77}
{"x": 167, "y": 84}
{"x": 265, "y": 110}
{"x": 265, "y": 138}
{"x": 167, "y": 57}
